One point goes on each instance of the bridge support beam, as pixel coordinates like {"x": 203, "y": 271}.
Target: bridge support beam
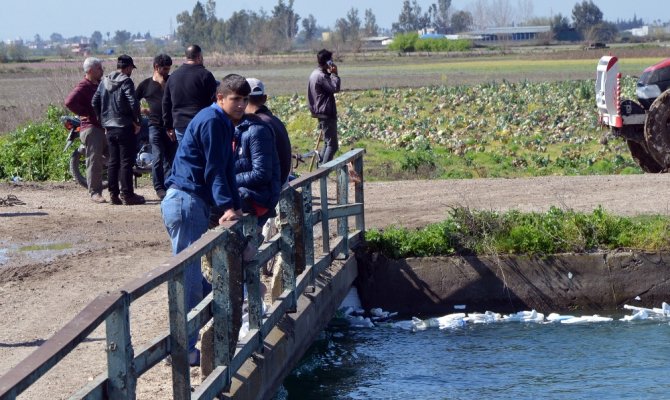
{"x": 285, "y": 345}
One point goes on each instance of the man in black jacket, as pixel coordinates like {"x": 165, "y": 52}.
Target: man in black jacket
{"x": 163, "y": 148}
{"x": 118, "y": 111}
{"x": 191, "y": 88}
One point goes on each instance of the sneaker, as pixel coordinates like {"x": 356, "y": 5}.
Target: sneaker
{"x": 132, "y": 199}
{"x": 114, "y": 199}
{"x": 97, "y": 198}
{"x": 161, "y": 193}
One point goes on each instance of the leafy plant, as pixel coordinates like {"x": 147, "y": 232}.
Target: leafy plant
{"x": 35, "y": 151}
{"x": 554, "y": 231}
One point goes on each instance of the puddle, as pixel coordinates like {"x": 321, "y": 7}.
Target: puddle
{"x": 44, "y": 252}
{"x": 46, "y": 247}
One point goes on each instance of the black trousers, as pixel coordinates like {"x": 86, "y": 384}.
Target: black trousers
{"x": 163, "y": 149}
{"x": 121, "y": 144}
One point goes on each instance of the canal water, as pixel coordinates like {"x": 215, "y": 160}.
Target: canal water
{"x": 610, "y": 360}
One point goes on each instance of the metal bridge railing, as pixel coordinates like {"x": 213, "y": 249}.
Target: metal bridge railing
{"x": 223, "y": 248}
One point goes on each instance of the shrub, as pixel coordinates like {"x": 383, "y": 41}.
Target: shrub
{"x": 555, "y": 231}
{"x": 408, "y": 42}
{"x": 35, "y": 151}
{"x": 404, "y": 42}
{"x": 442, "y": 45}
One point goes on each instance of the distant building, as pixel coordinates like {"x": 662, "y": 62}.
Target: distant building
{"x": 512, "y": 33}
{"x": 376, "y": 40}
{"x": 639, "y": 32}
{"x": 81, "y": 48}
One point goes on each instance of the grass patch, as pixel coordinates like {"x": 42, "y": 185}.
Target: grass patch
{"x": 469, "y": 232}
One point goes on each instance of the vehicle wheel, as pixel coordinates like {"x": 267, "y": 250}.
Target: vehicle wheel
{"x": 643, "y": 158}
{"x": 657, "y": 130}
{"x": 78, "y": 168}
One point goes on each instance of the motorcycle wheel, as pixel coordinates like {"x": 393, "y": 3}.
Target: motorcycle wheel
{"x": 78, "y": 168}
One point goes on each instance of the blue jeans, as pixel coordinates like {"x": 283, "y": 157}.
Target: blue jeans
{"x": 186, "y": 218}
{"x": 163, "y": 149}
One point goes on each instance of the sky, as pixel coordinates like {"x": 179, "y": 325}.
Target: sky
{"x": 25, "y": 18}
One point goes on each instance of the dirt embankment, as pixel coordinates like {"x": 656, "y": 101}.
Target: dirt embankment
{"x": 59, "y": 251}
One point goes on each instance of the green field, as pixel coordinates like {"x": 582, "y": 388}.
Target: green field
{"x": 432, "y": 116}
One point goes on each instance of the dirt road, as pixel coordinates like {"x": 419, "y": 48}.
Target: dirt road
{"x": 59, "y": 251}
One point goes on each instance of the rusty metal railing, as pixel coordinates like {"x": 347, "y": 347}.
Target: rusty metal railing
{"x": 223, "y": 247}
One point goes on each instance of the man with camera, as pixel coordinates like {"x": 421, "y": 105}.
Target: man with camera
{"x": 323, "y": 84}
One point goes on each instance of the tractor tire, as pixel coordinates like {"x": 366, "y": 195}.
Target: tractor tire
{"x": 657, "y": 130}
{"x": 643, "y": 158}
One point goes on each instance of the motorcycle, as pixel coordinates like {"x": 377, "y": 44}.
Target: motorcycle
{"x": 143, "y": 161}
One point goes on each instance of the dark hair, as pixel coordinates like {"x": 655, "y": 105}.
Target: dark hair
{"x": 258, "y": 100}
{"x": 324, "y": 56}
{"x": 193, "y": 51}
{"x": 233, "y": 84}
{"x": 162, "y": 60}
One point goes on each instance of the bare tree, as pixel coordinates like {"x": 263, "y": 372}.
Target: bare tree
{"x": 370, "y": 27}
{"x": 525, "y": 11}
{"x": 497, "y": 13}
{"x": 479, "y": 11}
{"x": 309, "y": 28}
{"x": 461, "y": 21}
{"x": 501, "y": 13}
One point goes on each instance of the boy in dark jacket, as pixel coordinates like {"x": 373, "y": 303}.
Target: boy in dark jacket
{"x": 257, "y": 170}
{"x": 257, "y": 100}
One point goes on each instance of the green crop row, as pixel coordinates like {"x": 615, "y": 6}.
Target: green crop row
{"x": 496, "y": 129}
{"x": 469, "y": 232}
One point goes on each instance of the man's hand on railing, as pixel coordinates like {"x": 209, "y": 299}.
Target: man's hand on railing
{"x": 230, "y": 215}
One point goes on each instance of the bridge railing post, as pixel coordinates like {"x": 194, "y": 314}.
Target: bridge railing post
{"x": 304, "y": 230}
{"x": 291, "y": 218}
{"x": 178, "y": 311}
{"x": 121, "y": 371}
{"x": 252, "y": 278}
{"x": 359, "y": 196}
{"x": 343, "y": 199}
{"x": 325, "y": 230}
{"x": 227, "y": 286}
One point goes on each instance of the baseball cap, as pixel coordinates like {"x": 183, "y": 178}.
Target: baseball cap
{"x": 124, "y": 61}
{"x": 257, "y": 87}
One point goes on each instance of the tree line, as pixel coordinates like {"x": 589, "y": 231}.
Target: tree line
{"x": 282, "y": 28}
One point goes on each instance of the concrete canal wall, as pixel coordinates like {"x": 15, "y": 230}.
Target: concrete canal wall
{"x": 566, "y": 282}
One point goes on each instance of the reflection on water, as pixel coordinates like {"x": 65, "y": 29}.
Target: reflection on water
{"x": 495, "y": 361}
